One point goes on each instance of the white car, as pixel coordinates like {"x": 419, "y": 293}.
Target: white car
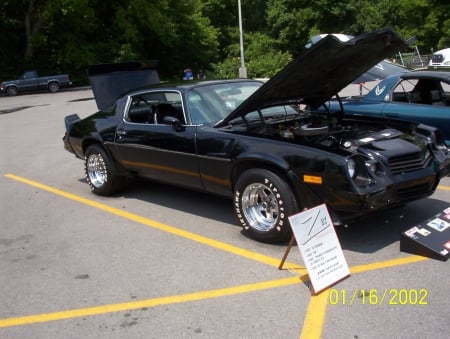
{"x": 440, "y": 58}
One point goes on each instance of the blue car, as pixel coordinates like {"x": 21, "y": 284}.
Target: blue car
{"x": 419, "y": 96}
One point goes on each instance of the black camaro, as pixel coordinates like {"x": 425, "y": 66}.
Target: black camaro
{"x": 263, "y": 144}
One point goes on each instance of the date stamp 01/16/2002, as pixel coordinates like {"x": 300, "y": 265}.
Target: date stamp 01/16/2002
{"x": 388, "y": 296}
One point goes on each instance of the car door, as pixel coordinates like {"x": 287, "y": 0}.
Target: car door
{"x": 433, "y": 113}
{"x": 29, "y": 81}
{"x": 156, "y": 149}
{"x": 437, "y": 116}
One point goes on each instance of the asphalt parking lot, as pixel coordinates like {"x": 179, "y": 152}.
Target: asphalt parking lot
{"x": 163, "y": 262}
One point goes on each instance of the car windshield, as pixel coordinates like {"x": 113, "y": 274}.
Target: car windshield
{"x": 209, "y": 104}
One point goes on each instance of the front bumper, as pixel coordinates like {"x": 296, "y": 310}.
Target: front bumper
{"x": 444, "y": 168}
{"x": 348, "y": 207}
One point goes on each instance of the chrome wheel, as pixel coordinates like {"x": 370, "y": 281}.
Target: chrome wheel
{"x": 260, "y": 207}
{"x": 262, "y": 203}
{"x": 96, "y": 170}
{"x": 101, "y": 173}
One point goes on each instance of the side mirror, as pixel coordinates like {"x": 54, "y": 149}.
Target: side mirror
{"x": 174, "y": 122}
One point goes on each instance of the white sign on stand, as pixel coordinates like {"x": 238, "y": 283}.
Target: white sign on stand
{"x": 319, "y": 247}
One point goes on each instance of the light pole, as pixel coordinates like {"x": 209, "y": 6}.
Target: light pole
{"x": 242, "y": 69}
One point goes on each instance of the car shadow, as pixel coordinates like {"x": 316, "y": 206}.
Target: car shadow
{"x": 193, "y": 202}
{"x": 368, "y": 235}
{"x": 384, "y": 228}
{"x": 177, "y": 198}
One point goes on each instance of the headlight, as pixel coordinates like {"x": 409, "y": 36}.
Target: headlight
{"x": 374, "y": 167}
{"x": 363, "y": 170}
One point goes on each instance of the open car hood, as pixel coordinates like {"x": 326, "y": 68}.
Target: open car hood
{"x": 322, "y": 70}
{"x": 110, "y": 81}
{"x": 378, "y": 72}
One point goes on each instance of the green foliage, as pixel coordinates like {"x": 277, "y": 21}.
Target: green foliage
{"x": 67, "y": 35}
{"x": 227, "y": 69}
{"x": 264, "y": 60}
{"x": 444, "y": 40}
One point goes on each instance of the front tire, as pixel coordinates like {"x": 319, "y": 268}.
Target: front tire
{"x": 101, "y": 174}
{"x": 53, "y": 87}
{"x": 263, "y": 201}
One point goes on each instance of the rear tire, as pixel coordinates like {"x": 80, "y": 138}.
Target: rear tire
{"x": 263, "y": 201}
{"x": 11, "y": 91}
{"x": 101, "y": 174}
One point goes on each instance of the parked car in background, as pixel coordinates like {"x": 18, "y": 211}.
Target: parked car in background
{"x": 420, "y": 96}
{"x": 440, "y": 59}
{"x": 31, "y": 81}
{"x": 253, "y": 142}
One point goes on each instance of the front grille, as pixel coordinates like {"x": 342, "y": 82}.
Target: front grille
{"x": 410, "y": 162}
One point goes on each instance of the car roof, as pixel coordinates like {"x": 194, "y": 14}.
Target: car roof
{"x": 443, "y": 51}
{"x": 437, "y": 75}
{"x": 187, "y": 85}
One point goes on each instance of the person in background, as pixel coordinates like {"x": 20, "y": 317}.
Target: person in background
{"x": 188, "y": 75}
{"x": 201, "y": 74}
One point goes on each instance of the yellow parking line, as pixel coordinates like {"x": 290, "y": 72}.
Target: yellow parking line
{"x": 152, "y": 223}
{"x": 312, "y": 325}
{"x": 315, "y": 316}
{"x": 388, "y": 263}
{"x": 445, "y": 188}
{"x": 175, "y": 299}
{"x": 163, "y": 227}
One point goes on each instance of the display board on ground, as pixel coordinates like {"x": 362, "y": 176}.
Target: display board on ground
{"x": 430, "y": 238}
{"x": 319, "y": 247}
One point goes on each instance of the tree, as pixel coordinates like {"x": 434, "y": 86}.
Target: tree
{"x": 67, "y": 35}
{"x": 20, "y": 22}
{"x": 171, "y": 31}
{"x": 263, "y": 60}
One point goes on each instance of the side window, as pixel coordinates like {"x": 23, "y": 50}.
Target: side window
{"x": 29, "y": 75}
{"x": 140, "y": 111}
{"x": 153, "y": 107}
{"x": 404, "y": 91}
{"x": 430, "y": 91}
{"x": 445, "y": 87}
{"x": 197, "y": 109}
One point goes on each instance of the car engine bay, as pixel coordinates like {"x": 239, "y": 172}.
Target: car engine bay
{"x": 323, "y": 130}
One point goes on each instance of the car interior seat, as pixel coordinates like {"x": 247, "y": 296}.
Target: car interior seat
{"x": 167, "y": 110}
{"x": 139, "y": 114}
{"x": 414, "y": 97}
{"x": 436, "y": 98}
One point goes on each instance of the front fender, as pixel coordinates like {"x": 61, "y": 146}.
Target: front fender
{"x": 254, "y": 160}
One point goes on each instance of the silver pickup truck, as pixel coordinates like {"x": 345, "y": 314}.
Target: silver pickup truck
{"x": 31, "y": 81}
